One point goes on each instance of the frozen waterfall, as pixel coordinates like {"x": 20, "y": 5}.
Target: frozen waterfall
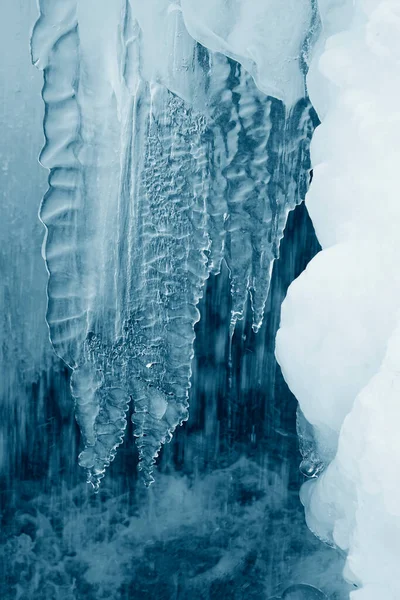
{"x": 219, "y": 232}
{"x": 163, "y": 161}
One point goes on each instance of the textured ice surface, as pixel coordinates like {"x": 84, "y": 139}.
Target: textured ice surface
{"x": 338, "y": 344}
{"x": 159, "y": 168}
{"x": 215, "y": 523}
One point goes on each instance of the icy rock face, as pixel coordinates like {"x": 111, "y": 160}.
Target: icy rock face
{"x": 164, "y": 159}
{"x": 339, "y": 343}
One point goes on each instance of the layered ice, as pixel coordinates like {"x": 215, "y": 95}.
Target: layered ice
{"x": 165, "y": 158}
{"x": 339, "y": 343}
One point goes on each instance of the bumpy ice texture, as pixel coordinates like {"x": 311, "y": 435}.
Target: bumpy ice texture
{"x": 339, "y": 339}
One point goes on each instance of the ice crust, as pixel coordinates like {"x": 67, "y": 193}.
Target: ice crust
{"x": 163, "y": 160}
{"x": 339, "y": 339}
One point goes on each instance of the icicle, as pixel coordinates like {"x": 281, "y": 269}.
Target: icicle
{"x": 170, "y": 267}
{"x": 266, "y": 166}
{"x": 82, "y": 194}
{"x": 126, "y": 156}
{"x": 220, "y": 106}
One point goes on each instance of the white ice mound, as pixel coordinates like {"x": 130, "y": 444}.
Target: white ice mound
{"x": 265, "y": 36}
{"x": 347, "y": 299}
{"x": 359, "y": 492}
{"x": 339, "y": 343}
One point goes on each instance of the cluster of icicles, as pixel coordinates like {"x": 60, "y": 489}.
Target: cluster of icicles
{"x": 165, "y": 157}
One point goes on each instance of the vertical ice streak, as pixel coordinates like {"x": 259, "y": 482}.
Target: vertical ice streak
{"x": 263, "y": 157}
{"x": 81, "y": 120}
{"x": 164, "y": 160}
{"x": 170, "y": 268}
{"x": 55, "y": 49}
{"x": 59, "y": 58}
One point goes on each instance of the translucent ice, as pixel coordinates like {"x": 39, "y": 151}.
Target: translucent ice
{"x": 164, "y": 159}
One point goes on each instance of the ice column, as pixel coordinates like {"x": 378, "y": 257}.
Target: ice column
{"x": 339, "y": 339}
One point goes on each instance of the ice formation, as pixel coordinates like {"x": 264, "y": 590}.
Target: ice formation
{"x": 163, "y": 160}
{"x": 339, "y": 339}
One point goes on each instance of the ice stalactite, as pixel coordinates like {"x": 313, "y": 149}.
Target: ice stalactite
{"x": 263, "y": 163}
{"x": 260, "y": 172}
{"x": 171, "y": 268}
{"x": 164, "y": 160}
{"x": 338, "y": 342}
{"x": 83, "y": 137}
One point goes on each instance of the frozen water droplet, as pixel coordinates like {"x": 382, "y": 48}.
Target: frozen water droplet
{"x": 310, "y": 468}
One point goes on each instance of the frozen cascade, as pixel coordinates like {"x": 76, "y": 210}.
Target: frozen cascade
{"x": 339, "y": 339}
{"x": 159, "y": 169}
{"x": 263, "y": 159}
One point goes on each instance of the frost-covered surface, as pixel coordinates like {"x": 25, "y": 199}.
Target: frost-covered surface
{"x": 338, "y": 344}
{"x": 164, "y": 158}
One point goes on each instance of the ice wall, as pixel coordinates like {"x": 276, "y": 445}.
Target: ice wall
{"x": 338, "y": 343}
{"x": 163, "y": 160}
